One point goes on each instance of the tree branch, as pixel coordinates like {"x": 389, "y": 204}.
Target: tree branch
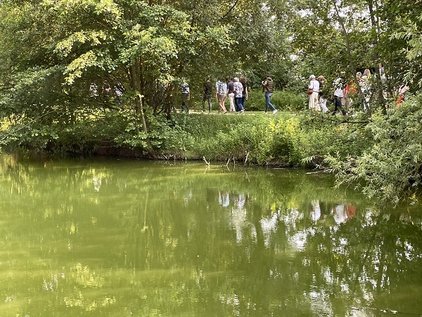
{"x": 230, "y": 10}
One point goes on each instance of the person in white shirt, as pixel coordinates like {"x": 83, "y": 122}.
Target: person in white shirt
{"x": 338, "y": 96}
{"x": 365, "y": 87}
{"x": 185, "y": 90}
{"x": 313, "y": 88}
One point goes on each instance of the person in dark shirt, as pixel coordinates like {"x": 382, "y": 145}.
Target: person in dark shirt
{"x": 245, "y": 94}
{"x": 207, "y": 94}
{"x": 267, "y": 88}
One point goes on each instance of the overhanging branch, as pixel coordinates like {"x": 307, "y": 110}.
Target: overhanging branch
{"x": 230, "y": 10}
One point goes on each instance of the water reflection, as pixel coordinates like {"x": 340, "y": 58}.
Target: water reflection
{"x": 144, "y": 239}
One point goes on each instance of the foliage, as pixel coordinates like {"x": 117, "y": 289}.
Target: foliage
{"x": 243, "y": 141}
{"x": 343, "y": 37}
{"x": 282, "y": 99}
{"x": 266, "y": 139}
{"x": 61, "y": 49}
{"x": 286, "y": 139}
{"x": 406, "y": 30}
{"x": 391, "y": 168}
{"x": 290, "y": 100}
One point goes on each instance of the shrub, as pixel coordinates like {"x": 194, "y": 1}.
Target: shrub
{"x": 283, "y": 100}
{"x": 247, "y": 140}
{"x": 289, "y": 100}
{"x": 390, "y": 168}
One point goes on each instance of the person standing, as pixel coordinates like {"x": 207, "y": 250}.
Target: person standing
{"x": 93, "y": 90}
{"x": 366, "y": 89}
{"x": 106, "y": 90}
{"x": 313, "y": 91}
{"x": 322, "y": 94}
{"x": 267, "y": 88}
{"x": 403, "y": 89}
{"x": 207, "y": 95}
{"x": 245, "y": 94}
{"x": 348, "y": 93}
{"x": 238, "y": 95}
{"x": 230, "y": 93}
{"x": 221, "y": 94}
{"x": 185, "y": 90}
{"x": 118, "y": 92}
{"x": 338, "y": 96}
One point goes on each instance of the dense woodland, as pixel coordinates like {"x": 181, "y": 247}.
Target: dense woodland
{"x": 52, "y": 52}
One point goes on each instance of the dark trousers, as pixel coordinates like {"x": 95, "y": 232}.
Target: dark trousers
{"x": 185, "y": 101}
{"x": 338, "y": 106}
{"x": 207, "y": 99}
{"x": 238, "y": 101}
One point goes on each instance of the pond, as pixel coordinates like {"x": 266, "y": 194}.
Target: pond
{"x": 132, "y": 238}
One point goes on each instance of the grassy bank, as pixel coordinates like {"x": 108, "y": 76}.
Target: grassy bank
{"x": 286, "y": 139}
{"x": 382, "y": 154}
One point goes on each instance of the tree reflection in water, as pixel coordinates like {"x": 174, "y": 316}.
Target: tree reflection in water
{"x": 133, "y": 238}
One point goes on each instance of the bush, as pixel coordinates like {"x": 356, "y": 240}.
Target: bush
{"x": 390, "y": 168}
{"x": 246, "y": 140}
{"x": 383, "y": 156}
{"x": 283, "y": 100}
{"x": 285, "y": 139}
{"x": 288, "y": 100}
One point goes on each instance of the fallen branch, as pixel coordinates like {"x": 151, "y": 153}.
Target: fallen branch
{"x": 246, "y": 158}
{"x": 205, "y": 160}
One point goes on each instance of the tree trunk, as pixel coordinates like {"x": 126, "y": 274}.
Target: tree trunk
{"x": 135, "y": 76}
{"x": 352, "y": 67}
{"x": 372, "y": 8}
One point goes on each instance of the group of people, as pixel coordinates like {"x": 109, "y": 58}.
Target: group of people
{"x": 107, "y": 91}
{"x": 235, "y": 89}
{"x": 357, "y": 92}
{"x": 342, "y": 93}
{"x": 347, "y": 94}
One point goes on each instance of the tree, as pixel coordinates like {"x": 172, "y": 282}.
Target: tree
{"x": 61, "y": 47}
{"x": 143, "y": 45}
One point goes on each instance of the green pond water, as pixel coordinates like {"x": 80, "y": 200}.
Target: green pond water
{"x": 130, "y": 238}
